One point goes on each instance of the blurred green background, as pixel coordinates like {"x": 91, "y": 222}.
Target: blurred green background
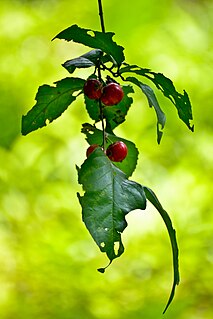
{"x": 48, "y": 260}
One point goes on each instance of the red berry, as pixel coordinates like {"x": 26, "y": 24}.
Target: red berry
{"x": 93, "y": 89}
{"x": 117, "y": 151}
{"x": 112, "y": 94}
{"x": 91, "y": 148}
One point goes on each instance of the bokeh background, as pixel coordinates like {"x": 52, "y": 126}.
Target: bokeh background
{"x": 48, "y": 260}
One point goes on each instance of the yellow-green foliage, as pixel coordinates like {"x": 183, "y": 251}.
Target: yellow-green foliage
{"x": 47, "y": 259}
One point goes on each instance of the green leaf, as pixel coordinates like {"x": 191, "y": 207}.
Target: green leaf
{"x": 95, "y": 136}
{"x": 89, "y": 59}
{"x": 152, "y": 100}
{"x": 115, "y": 115}
{"x": 166, "y": 86}
{"x": 93, "y": 108}
{"x": 79, "y": 62}
{"x": 51, "y": 103}
{"x": 93, "y": 39}
{"x": 150, "y": 195}
{"x": 108, "y": 197}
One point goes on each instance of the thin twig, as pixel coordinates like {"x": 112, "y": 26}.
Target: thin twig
{"x": 101, "y": 15}
{"x": 101, "y": 110}
{"x": 99, "y": 74}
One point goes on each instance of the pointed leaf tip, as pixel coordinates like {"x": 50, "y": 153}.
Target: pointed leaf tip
{"x": 166, "y": 86}
{"x": 101, "y": 270}
{"x": 150, "y": 195}
{"x": 51, "y": 102}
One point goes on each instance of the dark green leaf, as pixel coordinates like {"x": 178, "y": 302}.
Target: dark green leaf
{"x": 108, "y": 197}
{"x": 181, "y": 101}
{"x": 51, "y": 103}
{"x": 95, "y": 136}
{"x": 150, "y": 195}
{"x": 93, "y": 108}
{"x": 93, "y": 39}
{"x": 116, "y": 114}
{"x": 152, "y": 100}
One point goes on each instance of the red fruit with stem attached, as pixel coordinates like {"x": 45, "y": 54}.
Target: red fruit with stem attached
{"x": 112, "y": 94}
{"x": 91, "y": 148}
{"x": 117, "y": 151}
{"x": 93, "y": 89}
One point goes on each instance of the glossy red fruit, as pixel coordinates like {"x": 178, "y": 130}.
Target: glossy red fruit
{"x": 117, "y": 151}
{"x": 91, "y": 148}
{"x": 93, "y": 89}
{"x": 112, "y": 94}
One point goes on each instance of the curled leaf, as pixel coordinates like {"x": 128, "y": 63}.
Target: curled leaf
{"x": 166, "y": 86}
{"x": 152, "y": 100}
{"x": 150, "y": 195}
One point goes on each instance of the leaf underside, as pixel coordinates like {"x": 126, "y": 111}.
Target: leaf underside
{"x": 108, "y": 197}
{"x": 89, "y": 59}
{"x": 93, "y": 39}
{"x": 51, "y": 103}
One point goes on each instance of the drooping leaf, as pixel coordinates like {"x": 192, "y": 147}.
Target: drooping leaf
{"x": 95, "y": 136}
{"x": 94, "y": 39}
{"x": 51, "y": 103}
{"x": 150, "y": 195}
{"x": 89, "y": 59}
{"x": 152, "y": 100}
{"x": 108, "y": 197}
{"x": 166, "y": 86}
{"x": 116, "y": 114}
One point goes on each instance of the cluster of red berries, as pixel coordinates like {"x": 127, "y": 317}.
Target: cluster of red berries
{"x": 109, "y": 95}
{"x": 116, "y": 151}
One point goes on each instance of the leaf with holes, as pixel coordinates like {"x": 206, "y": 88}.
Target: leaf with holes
{"x": 150, "y": 195}
{"x": 95, "y": 136}
{"x": 115, "y": 115}
{"x": 152, "y": 100}
{"x": 166, "y": 86}
{"x": 109, "y": 196}
{"x": 51, "y": 103}
{"x": 93, "y": 39}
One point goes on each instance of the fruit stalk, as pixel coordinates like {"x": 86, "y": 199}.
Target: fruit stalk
{"x": 101, "y": 112}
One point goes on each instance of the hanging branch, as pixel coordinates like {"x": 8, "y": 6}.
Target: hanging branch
{"x": 99, "y": 72}
{"x": 101, "y": 15}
